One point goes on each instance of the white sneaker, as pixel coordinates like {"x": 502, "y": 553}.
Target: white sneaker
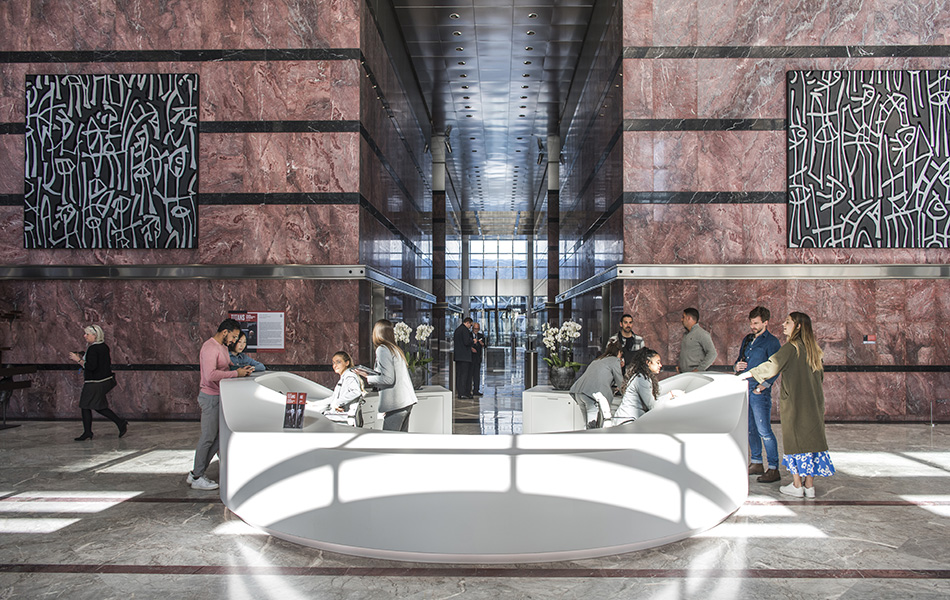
{"x": 190, "y": 479}
{"x": 788, "y": 490}
{"x": 203, "y": 483}
{"x": 809, "y": 491}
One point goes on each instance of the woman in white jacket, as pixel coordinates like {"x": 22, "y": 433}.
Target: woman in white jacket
{"x": 349, "y": 388}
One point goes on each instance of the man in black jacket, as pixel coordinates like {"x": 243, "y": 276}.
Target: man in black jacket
{"x": 479, "y": 339}
{"x": 464, "y": 348}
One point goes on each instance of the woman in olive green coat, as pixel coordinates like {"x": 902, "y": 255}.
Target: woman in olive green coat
{"x": 801, "y": 404}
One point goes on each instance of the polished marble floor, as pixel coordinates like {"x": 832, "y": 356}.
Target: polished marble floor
{"x": 113, "y": 518}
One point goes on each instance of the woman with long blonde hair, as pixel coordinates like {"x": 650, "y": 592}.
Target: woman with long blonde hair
{"x": 396, "y": 396}
{"x": 801, "y": 403}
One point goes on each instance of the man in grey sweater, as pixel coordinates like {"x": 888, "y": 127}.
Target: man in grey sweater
{"x": 697, "y": 352}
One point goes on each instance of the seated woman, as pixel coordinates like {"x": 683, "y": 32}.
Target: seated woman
{"x": 602, "y": 373}
{"x": 643, "y": 388}
{"x": 239, "y": 359}
{"x": 349, "y": 388}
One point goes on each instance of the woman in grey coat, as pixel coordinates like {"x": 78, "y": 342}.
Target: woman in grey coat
{"x": 643, "y": 387}
{"x": 396, "y": 396}
{"x": 603, "y": 372}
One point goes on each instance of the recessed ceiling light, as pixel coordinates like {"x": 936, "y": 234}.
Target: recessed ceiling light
{"x": 461, "y": 62}
{"x": 456, "y": 33}
{"x": 521, "y": 138}
{"x": 523, "y": 75}
{"x": 517, "y": 151}
{"x": 464, "y": 87}
{"x": 529, "y": 48}
{"x": 532, "y": 15}
{"x": 522, "y": 116}
{"x": 524, "y": 97}
{"x": 454, "y": 16}
{"x": 463, "y": 75}
{"x": 524, "y": 87}
{"x": 529, "y": 32}
{"x": 527, "y": 62}
{"x": 522, "y": 107}
{"x": 468, "y": 106}
{"x": 469, "y": 116}
{"x": 466, "y": 97}
{"x": 459, "y": 48}
{"x": 471, "y": 138}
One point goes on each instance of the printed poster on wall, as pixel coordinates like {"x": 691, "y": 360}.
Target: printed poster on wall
{"x": 264, "y": 330}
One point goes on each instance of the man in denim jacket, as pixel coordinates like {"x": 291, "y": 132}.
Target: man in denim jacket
{"x": 756, "y": 348}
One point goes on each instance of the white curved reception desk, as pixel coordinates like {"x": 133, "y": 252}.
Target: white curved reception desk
{"x": 678, "y": 470}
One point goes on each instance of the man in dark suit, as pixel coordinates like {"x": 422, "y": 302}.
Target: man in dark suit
{"x": 464, "y": 348}
{"x": 479, "y": 339}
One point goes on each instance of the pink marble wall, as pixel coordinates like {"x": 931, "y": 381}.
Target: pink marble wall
{"x": 903, "y": 314}
{"x": 163, "y": 323}
{"x": 793, "y": 22}
{"x": 179, "y": 25}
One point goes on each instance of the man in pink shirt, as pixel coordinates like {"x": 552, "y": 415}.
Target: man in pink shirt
{"x": 215, "y": 365}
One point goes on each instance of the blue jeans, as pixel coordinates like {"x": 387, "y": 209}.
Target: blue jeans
{"x": 760, "y": 429}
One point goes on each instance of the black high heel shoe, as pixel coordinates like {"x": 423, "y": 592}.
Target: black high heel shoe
{"x": 123, "y": 428}
{"x": 84, "y": 437}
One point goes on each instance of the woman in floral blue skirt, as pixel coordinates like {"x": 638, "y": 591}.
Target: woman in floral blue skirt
{"x": 801, "y": 404}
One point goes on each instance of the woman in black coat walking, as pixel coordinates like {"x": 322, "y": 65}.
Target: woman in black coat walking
{"x": 98, "y": 379}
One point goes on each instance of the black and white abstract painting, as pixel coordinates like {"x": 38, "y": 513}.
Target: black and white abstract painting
{"x": 868, "y": 156}
{"x": 111, "y": 161}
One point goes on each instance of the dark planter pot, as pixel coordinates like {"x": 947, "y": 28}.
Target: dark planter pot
{"x": 417, "y": 375}
{"x": 561, "y": 377}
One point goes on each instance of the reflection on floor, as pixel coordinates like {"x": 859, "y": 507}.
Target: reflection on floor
{"x": 112, "y": 518}
{"x": 498, "y": 410}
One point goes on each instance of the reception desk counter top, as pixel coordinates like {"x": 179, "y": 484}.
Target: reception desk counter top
{"x": 678, "y": 470}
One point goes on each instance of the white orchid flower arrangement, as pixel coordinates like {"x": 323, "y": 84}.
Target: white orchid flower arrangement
{"x": 560, "y": 342}
{"x": 419, "y": 357}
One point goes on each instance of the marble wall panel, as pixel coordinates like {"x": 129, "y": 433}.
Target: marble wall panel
{"x": 843, "y": 312}
{"x": 11, "y": 164}
{"x": 12, "y": 92}
{"x": 637, "y": 22}
{"x": 178, "y": 25}
{"x": 638, "y": 98}
{"x": 756, "y": 23}
{"x": 676, "y": 23}
{"x": 928, "y": 392}
{"x": 162, "y": 323}
{"x": 736, "y": 234}
{"x": 674, "y": 89}
{"x": 280, "y": 91}
{"x": 254, "y": 234}
{"x": 230, "y": 90}
{"x": 675, "y": 161}
{"x": 733, "y": 161}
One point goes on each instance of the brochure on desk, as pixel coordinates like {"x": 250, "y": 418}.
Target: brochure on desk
{"x": 293, "y": 409}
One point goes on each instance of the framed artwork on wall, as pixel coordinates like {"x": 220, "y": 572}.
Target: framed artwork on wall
{"x": 868, "y": 159}
{"x": 111, "y": 161}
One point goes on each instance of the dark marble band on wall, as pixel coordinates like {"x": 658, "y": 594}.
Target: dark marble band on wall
{"x": 704, "y": 124}
{"x": 691, "y": 52}
{"x": 216, "y": 55}
{"x": 704, "y": 198}
{"x": 324, "y": 126}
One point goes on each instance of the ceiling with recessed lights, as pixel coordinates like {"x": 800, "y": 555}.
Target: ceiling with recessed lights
{"x": 495, "y": 75}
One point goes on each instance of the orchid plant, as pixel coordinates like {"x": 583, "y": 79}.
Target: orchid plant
{"x": 559, "y": 341}
{"x": 419, "y": 357}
